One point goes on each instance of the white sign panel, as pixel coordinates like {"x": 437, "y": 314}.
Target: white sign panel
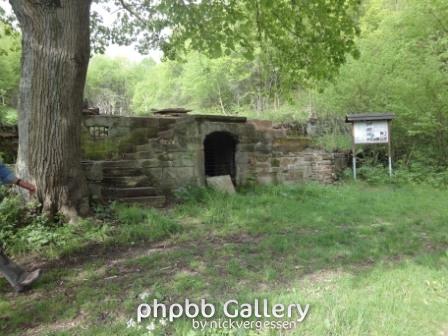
{"x": 371, "y": 132}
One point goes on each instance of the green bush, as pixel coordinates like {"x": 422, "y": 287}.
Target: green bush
{"x": 191, "y": 194}
{"x": 412, "y": 174}
{"x": 131, "y": 215}
{"x": 421, "y": 173}
{"x": 23, "y": 229}
{"x": 11, "y": 217}
{"x": 52, "y": 238}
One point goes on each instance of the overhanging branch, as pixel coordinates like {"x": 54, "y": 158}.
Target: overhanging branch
{"x": 131, "y": 11}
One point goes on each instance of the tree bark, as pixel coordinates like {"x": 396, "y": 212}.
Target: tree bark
{"x": 55, "y": 56}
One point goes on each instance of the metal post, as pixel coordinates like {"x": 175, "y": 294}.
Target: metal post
{"x": 353, "y": 151}
{"x": 389, "y": 148}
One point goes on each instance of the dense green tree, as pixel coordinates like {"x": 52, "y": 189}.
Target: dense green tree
{"x": 228, "y": 84}
{"x": 402, "y": 69}
{"x": 309, "y": 38}
{"x": 160, "y": 88}
{"x": 111, "y": 83}
{"x": 9, "y": 65}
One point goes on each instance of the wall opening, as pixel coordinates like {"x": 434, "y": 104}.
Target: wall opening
{"x": 219, "y": 154}
{"x": 98, "y": 132}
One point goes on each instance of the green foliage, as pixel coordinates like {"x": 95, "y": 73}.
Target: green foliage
{"x": 258, "y": 52}
{"x": 9, "y": 69}
{"x": 417, "y": 173}
{"x": 422, "y": 173}
{"x": 159, "y": 88}
{"x": 291, "y": 33}
{"x": 23, "y": 229}
{"x": 8, "y": 116}
{"x": 130, "y": 215}
{"x": 261, "y": 69}
{"x": 11, "y": 216}
{"x": 56, "y": 239}
{"x": 226, "y": 85}
{"x": 111, "y": 82}
{"x": 402, "y": 69}
{"x": 334, "y": 141}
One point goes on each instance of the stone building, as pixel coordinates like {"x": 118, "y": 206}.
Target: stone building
{"x": 146, "y": 159}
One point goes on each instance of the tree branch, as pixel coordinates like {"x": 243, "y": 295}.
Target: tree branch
{"x": 131, "y": 11}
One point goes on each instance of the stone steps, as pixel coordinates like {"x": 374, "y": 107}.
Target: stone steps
{"x": 127, "y": 181}
{"x": 129, "y": 192}
{"x": 124, "y": 180}
{"x": 148, "y": 147}
{"x": 120, "y": 171}
{"x": 111, "y": 164}
{"x": 151, "y": 201}
{"x": 138, "y": 155}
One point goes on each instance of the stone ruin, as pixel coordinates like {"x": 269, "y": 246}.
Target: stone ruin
{"x": 146, "y": 159}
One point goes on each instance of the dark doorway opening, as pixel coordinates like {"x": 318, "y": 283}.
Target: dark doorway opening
{"x": 219, "y": 154}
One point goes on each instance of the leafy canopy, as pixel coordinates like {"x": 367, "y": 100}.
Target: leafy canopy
{"x": 9, "y": 68}
{"x": 309, "y": 38}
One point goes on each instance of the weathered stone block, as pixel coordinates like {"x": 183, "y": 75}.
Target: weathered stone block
{"x": 275, "y": 162}
{"x": 94, "y": 171}
{"x": 221, "y": 183}
{"x": 264, "y": 125}
{"x": 169, "y": 151}
{"x": 150, "y": 163}
{"x": 176, "y": 176}
{"x": 154, "y": 174}
{"x": 95, "y": 190}
{"x": 267, "y": 178}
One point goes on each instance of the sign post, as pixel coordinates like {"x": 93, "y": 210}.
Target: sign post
{"x": 372, "y": 128}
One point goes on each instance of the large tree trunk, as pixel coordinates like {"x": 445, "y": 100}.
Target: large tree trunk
{"x": 55, "y": 56}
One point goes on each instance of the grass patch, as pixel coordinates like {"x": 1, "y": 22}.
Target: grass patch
{"x": 370, "y": 260}
{"x": 22, "y": 231}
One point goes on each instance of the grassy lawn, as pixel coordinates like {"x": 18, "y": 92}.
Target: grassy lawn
{"x": 368, "y": 260}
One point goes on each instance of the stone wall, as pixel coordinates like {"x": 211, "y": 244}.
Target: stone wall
{"x": 167, "y": 152}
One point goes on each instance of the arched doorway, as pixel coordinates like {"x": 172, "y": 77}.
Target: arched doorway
{"x": 219, "y": 154}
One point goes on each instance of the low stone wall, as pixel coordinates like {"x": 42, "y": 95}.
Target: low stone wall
{"x": 167, "y": 152}
{"x": 107, "y": 137}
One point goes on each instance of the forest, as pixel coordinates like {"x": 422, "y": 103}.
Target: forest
{"x": 365, "y": 256}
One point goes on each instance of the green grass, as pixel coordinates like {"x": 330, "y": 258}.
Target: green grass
{"x": 334, "y": 141}
{"x": 8, "y": 115}
{"x": 368, "y": 260}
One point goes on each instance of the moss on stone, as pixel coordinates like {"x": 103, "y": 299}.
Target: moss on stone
{"x": 113, "y": 147}
{"x": 292, "y": 144}
{"x": 275, "y": 163}
{"x": 103, "y": 149}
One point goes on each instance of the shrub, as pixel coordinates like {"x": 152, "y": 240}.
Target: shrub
{"x": 11, "y": 217}
{"x": 130, "y": 214}
{"x": 23, "y": 229}
{"x": 191, "y": 194}
{"x": 409, "y": 174}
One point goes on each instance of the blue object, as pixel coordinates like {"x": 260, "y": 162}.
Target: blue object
{"x": 6, "y": 175}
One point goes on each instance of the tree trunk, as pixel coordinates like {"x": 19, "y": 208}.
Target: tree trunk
{"x": 55, "y": 56}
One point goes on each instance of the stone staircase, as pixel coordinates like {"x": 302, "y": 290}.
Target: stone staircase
{"x": 123, "y": 181}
